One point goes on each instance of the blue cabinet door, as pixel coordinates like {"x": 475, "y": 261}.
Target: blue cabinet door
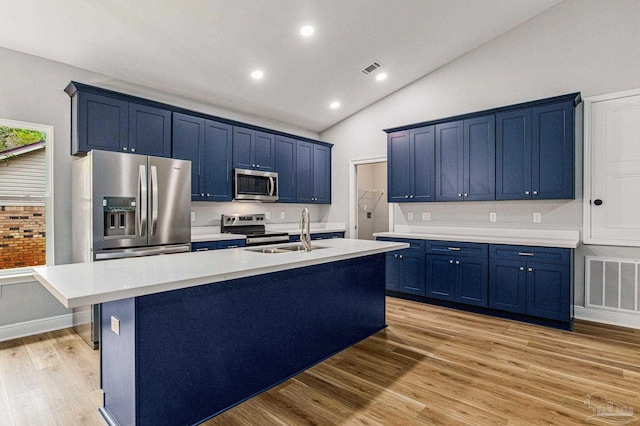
{"x": 552, "y": 145}
{"x": 508, "y": 285}
{"x": 471, "y": 283}
{"x": 264, "y": 151}
{"x": 285, "y": 166}
{"x": 513, "y": 155}
{"x": 441, "y": 277}
{"x": 399, "y": 167}
{"x": 321, "y": 174}
{"x": 149, "y": 130}
{"x": 422, "y": 164}
{"x": 548, "y": 291}
{"x": 102, "y": 123}
{"x": 393, "y": 273}
{"x": 188, "y": 142}
{"x": 216, "y": 161}
{"x": 413, "y": 273}
{"x": 304, "y": 172}
{"x": 479, "y": 159}
{"x": 242, "y": 148}
{"x": 449, "y": 161}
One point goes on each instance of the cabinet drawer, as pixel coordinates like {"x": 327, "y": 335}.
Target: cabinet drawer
{"x": 204, "y": 246}
{"x": 457, "y": 248}
{"x": 528, "y": 253}
{"x": 415, "y": 246}
{"x": 225, "y": 244}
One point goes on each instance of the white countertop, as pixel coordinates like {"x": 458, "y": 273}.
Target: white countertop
{"x": 83, "y": 284}
{"x": 527, "y": 237}
{"x": 212, "y": 233}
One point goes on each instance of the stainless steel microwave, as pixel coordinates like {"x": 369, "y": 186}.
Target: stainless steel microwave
{"x": 255, "y": 185}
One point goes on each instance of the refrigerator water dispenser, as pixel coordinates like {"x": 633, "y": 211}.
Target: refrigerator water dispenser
{"x": 119, "y": 216}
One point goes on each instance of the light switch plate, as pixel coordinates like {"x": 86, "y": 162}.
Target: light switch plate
{"x": 281, "y": 215}
{"x": 426, "y": 216}
{"x": 267, "y": 215}
{"x": 493, "y": 217}
{"x": 410, "y": 216}
{"x": 537, "y": 218}
{"x": 115, "y": 325}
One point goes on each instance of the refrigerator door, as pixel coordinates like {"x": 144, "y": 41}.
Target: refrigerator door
{"x": 169, "y": 218}
{"x": 118, "y": 177}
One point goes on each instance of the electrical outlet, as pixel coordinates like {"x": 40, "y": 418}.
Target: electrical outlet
{"x": 267, "y": 215}
{"x": 410, "y": 216}
{"x": 426, "y": 216}
{"x": 193, "y": 216}
{"x": 281, "y": 215}
{"x": 115, "y": 325}
{"x": 537, "y": 218}
{"x": 493, "y": 217}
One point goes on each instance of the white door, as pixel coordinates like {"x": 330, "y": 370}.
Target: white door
{"x": 612, "y": 203}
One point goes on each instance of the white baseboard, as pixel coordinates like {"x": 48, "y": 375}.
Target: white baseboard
{"x": 607, "y": 317}
{"x": 29, "y": 328}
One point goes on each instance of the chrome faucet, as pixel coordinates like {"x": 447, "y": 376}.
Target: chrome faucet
{"x": 305, "y": 234}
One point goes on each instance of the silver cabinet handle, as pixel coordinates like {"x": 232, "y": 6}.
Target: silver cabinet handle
{"x": 535, "y": 192}
{"x": 400, "y": 256}
{"x": 124, "y": 148}
{"x": 236, "y": 246}
{"x": 522, "y": 268}
{"x": 406, "y": 196}
{"x": 203, "y": 249}
{"x": 526, "y": 192}
{"x": 395, "y": 255}
{"x": 530, "y": 269}
{"x": 459, "y": 195}
{"x": 202, "y": 194}
{"x": 410, "y": 196}
{"x": 133, "y": 150}
{"x": 451, "y": 261}
{"x": 526, "y": 254}
{"x": 453, "y": 248}
{"x": 466, "y": 195}
{"x": 253, "y": 165}
{"x": 457, "y": 262}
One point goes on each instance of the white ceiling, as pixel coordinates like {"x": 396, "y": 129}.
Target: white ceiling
{"x": 206, "y": 49}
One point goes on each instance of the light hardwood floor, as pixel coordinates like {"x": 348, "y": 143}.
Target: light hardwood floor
{"x": 431, "y": 366}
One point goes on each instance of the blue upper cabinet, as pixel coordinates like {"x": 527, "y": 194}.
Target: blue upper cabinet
{"x": 285, "y": 166}
{"x": 313, "y": 173}
{"x": 552, "y": 146}
{"x": 207, "y": 144}
{"x": 253, "y": 150}
{"x": 411, "y": 165}
{"x": 465, "y": 160}
{"x": 449, "y": 161}
{"x": 149, "y": 130}
{"x": 99, "y": 122}
{"x": 188, "y": 143}
{"x": 479, "y": 159}
{"x": 216, "y": 161}
{"x": 111, "y": 124}
{"x": 535, "y": 153}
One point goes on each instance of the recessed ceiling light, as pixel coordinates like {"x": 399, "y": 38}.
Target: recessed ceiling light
{"x": 381, "y": 76}
{"x": 257, "y": 74}
{"x": 307, "y": 30}
{"x": 334, "y": 105}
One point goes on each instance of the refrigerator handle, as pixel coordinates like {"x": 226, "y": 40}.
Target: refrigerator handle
{"x": 142, "y": 200}
{"x": 154, "y": 199}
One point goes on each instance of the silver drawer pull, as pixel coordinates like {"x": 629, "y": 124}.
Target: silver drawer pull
{"x": 453, "y": 248}
{"x": 526, "y": 254}
{"x": 522, "y": 268}
{"x": 202, "y": 249}
{"x": 232, "y": 246}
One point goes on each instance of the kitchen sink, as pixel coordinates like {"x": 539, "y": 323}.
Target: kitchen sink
{"x": 283, "y": 249}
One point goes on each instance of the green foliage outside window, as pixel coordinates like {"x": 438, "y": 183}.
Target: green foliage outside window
{"x": 11, "y": 137}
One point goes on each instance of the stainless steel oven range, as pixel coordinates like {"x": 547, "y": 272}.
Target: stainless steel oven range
{"x": 252, "y": 226}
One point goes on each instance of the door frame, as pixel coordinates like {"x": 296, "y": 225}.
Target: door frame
{"x": 588, "y": 144}
{"x": 352, "y": 231}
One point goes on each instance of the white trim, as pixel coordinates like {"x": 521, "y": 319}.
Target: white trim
{"x": 29, "y": 328}
{"x": 353, "y": 194}
{"x": 607, "y": 317}
{"x": 18, "y": 277}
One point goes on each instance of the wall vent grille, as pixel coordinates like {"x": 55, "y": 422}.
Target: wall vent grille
{"x": 371, "y": 68}
{"x": 612, "y": 284}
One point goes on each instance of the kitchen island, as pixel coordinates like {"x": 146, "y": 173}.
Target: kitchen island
{"x": 187, "y": 336}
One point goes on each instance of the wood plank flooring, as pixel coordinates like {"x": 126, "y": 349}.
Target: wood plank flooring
{"x": 431, "y": 366}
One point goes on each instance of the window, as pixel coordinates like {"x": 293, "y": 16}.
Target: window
{"x": 25, "y": 196}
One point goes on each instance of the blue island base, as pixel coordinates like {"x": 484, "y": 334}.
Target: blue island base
{"x": 184, "y": 356}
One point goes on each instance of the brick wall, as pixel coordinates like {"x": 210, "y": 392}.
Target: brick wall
{"x": 22, "y": 236}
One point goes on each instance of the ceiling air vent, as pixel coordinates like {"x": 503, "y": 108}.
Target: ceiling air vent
{"x": 371, "y": 68}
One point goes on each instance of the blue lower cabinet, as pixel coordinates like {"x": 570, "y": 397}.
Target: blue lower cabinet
{"x": 215, "y": 245}
{"x": 535, "y": 281}
{"x": 405, "y": 272}
{"x": 441, "y": 277}
{"x": 459, "y": 279}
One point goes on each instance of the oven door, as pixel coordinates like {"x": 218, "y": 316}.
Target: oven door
{"x": 255, "y": 185}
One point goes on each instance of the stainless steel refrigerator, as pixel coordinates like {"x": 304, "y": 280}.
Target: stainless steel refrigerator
{"x": 127, "y": 205}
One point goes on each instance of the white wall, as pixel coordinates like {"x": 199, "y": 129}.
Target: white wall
{"x": 587, "y": 46}
{"x": 31, "y": 90}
